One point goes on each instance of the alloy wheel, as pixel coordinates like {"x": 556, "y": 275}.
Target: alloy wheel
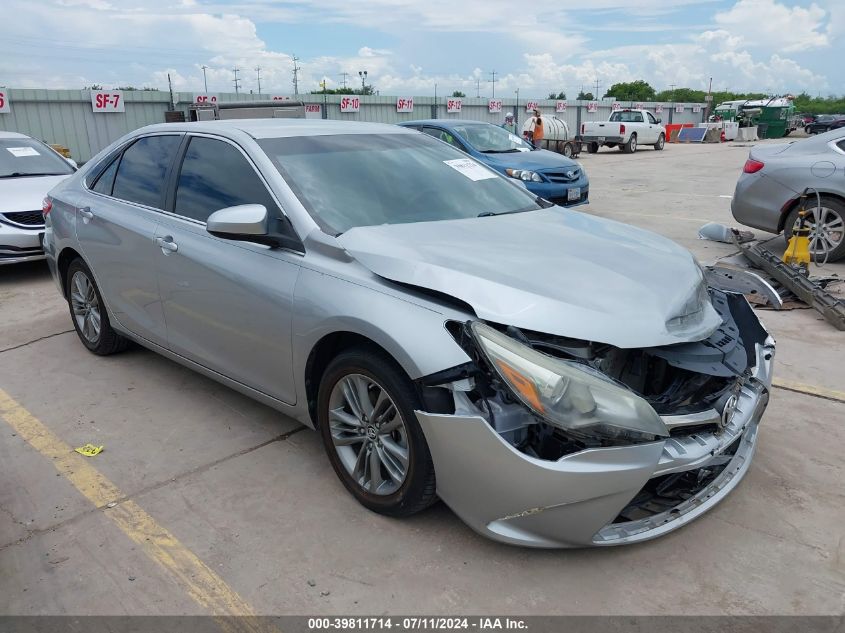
{"x": 369, "y": 434}
{"x": 827, "y": 230}
{"x": 86, "y": 307}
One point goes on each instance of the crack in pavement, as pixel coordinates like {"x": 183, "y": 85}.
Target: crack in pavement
{"x": 40, "y": 338}
{"x": 138, "y": 493}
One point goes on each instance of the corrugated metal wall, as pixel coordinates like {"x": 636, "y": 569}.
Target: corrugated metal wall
{"x": 66, "y": 116}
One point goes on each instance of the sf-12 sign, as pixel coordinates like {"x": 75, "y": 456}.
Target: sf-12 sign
{"x": 203, "y": 99}
{"x": 530, "y": 106}
{"x": 405, "y": 104}
{"x": 4, "y": 102}
{"x": 453, "y": 106}
{"x": 560, "y": 106}
{"x": 494, "y": 106}
{"x": 107, "y": 101}
{"x": 350, "y": 104}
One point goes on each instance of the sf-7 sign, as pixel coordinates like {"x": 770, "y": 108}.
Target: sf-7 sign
{"x": 107, "y": 101}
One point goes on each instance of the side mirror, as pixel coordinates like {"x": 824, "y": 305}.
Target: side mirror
{"x": 250, "y": 223}
{"x": 659, "y": 120}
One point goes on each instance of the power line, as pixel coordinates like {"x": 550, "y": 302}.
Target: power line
{"x": 296, "y": 70}
{"x": 344, "y": 79}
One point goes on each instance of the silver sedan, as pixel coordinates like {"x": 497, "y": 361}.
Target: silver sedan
{"x": 559, "y": 380}
{"x": 769, "y": 189}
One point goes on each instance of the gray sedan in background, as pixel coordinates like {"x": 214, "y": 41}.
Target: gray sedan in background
{"x": 768, "y": 192}
{"x": 559, "y": 380}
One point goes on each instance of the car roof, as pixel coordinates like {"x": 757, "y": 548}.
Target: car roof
{"x": 4, "y": 134}
{"x": 277, "y": 128}
{"x": 444, "y": 123}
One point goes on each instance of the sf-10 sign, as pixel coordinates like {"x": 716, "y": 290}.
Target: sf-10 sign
{"x": 350, "y": 104}
{"x": 405, "y": 104}
{"x": 453, "y": 106}
{"x": 107, "y": 101}
{"x": 4, "y": 102}
{"x": 494, "y": 106}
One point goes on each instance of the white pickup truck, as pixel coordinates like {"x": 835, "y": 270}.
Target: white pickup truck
{"x": 625, "y": 128}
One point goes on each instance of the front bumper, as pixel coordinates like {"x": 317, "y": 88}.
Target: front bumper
{"x": 559, "y": 192}
{"x": 514, "y": 498}
{"x": 19, "y": 244}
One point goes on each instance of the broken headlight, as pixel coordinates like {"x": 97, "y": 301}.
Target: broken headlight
{"x": 572, "y": 396}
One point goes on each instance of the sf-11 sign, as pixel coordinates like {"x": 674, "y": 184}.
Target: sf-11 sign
{"x": 107, "y": 101}
{"x": 405, "y": 104}
{"x": 494, "y": 106}
{"x": 350, "y": 104}
{"x": 4, "y": 102}
{"x": 453, "y": 106}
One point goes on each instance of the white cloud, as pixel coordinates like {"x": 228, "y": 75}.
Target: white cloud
{"x": 770, "y": 24}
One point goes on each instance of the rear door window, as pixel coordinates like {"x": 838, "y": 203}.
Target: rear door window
{"x": 216, "y": 175}
{"x": 443, "y": 135}
{"x": 142, "y": 171}
{"x": 106, "y": 179}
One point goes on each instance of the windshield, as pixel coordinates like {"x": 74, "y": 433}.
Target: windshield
{"x": 21, "y": 157}
{"x": 350, "y": 180}
{"x": 626, "y": 117}
{"x": 491, "y": 139}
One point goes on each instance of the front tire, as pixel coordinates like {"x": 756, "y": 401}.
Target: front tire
{"x": 631, "y": 146}
{"x": 661, "y": 142}
{"x": 365, "y": 412}
{"x": 88, "y": 312}
{"x": 827, "y": 228}
{"x": 592, "y": 148}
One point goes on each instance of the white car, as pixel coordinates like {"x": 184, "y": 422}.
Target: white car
{"x": 28, "y": 170}
{"x": 627, "y": 129}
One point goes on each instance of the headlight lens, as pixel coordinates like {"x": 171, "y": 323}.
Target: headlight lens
{"x": 569, "y": 395}
{"x": 524, "y": 174}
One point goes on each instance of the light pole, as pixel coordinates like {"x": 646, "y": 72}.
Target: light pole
{"x": 363, "y": 75}
{"x": 516, "y": 110}
{"x": 204, "y": 80}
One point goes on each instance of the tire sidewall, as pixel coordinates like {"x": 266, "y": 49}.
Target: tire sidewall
{"x": 661, "y": 141}
{"x": 75, "y": 266}
{"x": 391, "y": 377}
{"x": 837, "y": 253}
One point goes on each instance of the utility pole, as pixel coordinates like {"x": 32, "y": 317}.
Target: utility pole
{"x": 236, "y": 81}
{"x": 596, "y": 94}
{"x": 672, "y": 87}
{"x": 296, "y": 70}
{"x": 516, "y": 109}
{"x": 477, "y": 87}
{"x": 204, "y": 80}
{"x": 493, "y": 81}
{"x": 344, "y": 79}
{"x": 258, "y": 76}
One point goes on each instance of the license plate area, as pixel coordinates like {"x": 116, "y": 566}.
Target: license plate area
{"x": 573, "y": 194}
{"x": 601, "y": 139}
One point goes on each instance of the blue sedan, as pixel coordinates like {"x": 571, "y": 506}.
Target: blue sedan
{"x": 546, "y": 174}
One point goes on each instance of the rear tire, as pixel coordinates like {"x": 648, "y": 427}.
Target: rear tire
{"x": 567, "y": 150}
{"x": 832, "y": 239}
{"x": 365, "y": 443}
{"x": 88, "y": 312}
{"x": 592, "y": 148}
{"x": 631, "y": 146}
{"x": 661, "y": 142}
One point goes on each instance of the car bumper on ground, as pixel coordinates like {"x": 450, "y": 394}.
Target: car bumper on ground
{"x": 759, "y": 201}
{"x": 20, "y": 244}
{"x": 577, "y": 500}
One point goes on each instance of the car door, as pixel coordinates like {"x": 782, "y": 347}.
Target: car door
{"x": 116, "y": 223}
{"x": 653, "y": 127}
{"x": 227, "y": 304}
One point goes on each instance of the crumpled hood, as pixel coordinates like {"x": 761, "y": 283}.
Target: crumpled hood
{"x": 26, "y": 193}
{"x": 553, "y": 271}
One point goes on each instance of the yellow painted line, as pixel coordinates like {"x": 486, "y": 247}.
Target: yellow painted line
{"x": 810, "y": 390}
{"x": 198, "y": 580}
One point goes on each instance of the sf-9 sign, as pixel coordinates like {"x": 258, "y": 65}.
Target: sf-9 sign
{"x": 107, "y": 101}
{"x": 350, "y": 104}
{"x": 203, "y": 99}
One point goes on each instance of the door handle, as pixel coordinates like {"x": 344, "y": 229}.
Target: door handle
{"x": 86, "y": 214}
{"x": 167, "y": 244}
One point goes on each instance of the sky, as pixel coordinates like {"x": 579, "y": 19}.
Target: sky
{"x": 408, "y": 47}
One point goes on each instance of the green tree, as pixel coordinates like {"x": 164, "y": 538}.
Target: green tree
{"x": 637, "y": 90}
{"x": 560, "y": 95}
{"x": 458, "y": 93}
{"x": 584, "y": 96}
{"x": 335, "y": 91}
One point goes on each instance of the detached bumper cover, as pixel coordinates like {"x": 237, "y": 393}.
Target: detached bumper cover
{"x": 572, "y": 502}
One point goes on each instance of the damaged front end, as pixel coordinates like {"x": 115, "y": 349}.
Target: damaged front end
{"x": 557, "y": 442}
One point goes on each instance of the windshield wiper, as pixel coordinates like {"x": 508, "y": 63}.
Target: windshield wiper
{"x": 19, "y": 174}
{"x": 498, "y": 151}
